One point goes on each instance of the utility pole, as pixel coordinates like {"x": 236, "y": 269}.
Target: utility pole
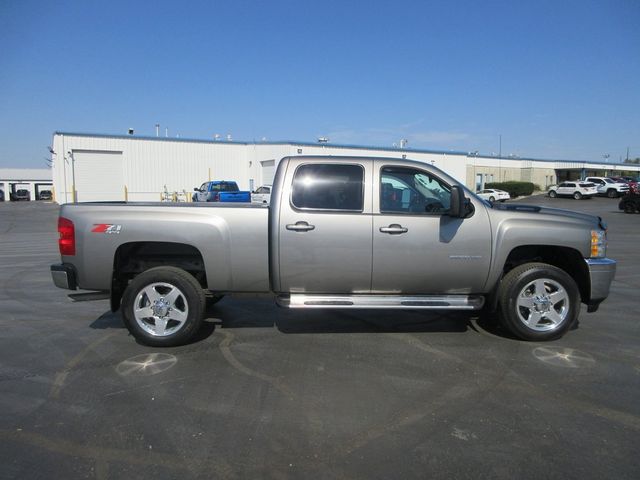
{"x": 500, "y": 151}
{"x": 627, "y": 155}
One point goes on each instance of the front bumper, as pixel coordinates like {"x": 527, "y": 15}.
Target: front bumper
{"x": 64, "y": 276}
{"x": 601, "y": 274}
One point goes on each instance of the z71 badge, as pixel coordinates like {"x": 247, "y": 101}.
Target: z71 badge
{"x": 106, "y": 228}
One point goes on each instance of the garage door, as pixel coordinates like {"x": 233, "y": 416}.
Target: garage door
{"x": 98, "y": 176}
{"x": 268, "y": 171}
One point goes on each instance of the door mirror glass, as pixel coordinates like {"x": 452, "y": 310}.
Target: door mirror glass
{"x": 457, "y": 209}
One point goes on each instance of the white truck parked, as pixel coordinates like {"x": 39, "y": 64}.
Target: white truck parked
{"x": 609, "y": 187}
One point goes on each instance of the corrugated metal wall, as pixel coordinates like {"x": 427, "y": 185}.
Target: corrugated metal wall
{"x": 149, "y": 166}
{"x": 152, "y": 164}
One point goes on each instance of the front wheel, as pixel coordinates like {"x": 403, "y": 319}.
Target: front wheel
{"x": 538, "y": 302}
{"x": 492, "y": 199}
{"x": 577, "y": 195}
{"x": 552, "y": 193}
{"x": 611, "y": 193}
{"x": 163, "y": 306}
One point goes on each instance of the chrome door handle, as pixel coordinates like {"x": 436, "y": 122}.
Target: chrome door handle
{"x": 394, "y": 229}
{"x": 300, "y": 227}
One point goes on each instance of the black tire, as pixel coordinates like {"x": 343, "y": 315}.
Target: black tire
{"x": 577, "y": 196}
{"x": 553, "y": 194}
{"x": 530, "y": 323}
{"x": 189, "y": 304}
{"x": 492, "y": 199}
{"x": 612, "y": 193}
{"x": 629, "y": 207}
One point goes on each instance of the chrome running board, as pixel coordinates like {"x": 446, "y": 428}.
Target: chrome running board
{"x": 429, "y": 302}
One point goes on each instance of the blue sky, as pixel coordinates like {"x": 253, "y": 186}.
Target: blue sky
{"x": 557, "y": 79}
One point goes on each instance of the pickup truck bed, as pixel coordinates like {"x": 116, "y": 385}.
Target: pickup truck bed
{"x": 232, "y": 241}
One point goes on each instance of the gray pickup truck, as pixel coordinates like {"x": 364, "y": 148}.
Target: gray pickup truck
{"x": 341, "y": 232}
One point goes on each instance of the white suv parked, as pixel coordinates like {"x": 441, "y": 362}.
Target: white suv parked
{"x": 607, "y": 186}
{"x": 576, "y": 189}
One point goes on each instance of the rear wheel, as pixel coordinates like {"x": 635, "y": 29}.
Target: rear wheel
{"x": 629, "y": 207}
{"x": 577, "y": 195}
{"x": 538, "y": 302}
{"x": 163, "y": 306}
{"x": 552, "y": 193}
{"x": 492, "y": 199}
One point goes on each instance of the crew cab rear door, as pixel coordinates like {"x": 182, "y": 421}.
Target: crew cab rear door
{"x": 417, "y": 247}
{"x": 325, "y": 226}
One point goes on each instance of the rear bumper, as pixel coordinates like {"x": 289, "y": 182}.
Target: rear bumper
{"x": 601, "y": 274}
{"x": 64, "y": 276}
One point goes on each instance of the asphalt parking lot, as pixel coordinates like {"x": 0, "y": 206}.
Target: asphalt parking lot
{"x": 271, "y": 393}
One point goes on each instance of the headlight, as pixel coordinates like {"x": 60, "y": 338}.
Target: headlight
{"x": 598, "y": 243}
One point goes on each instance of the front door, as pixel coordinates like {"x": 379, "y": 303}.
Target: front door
{"x": 417, "y": 247}
{"x": 325, "y": 228}
{"x": 203, "y": 193}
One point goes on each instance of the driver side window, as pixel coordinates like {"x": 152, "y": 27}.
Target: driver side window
{"x": 413, "y": 191}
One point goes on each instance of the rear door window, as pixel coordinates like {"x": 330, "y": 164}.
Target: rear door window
{"x": 328, "y": 187}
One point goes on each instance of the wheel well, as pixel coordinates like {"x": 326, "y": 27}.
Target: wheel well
{"x": 567, "y": 259}
{"x": 133, "y": 258}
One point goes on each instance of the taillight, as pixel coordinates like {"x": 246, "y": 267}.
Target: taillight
{"x": 67, "y": 240}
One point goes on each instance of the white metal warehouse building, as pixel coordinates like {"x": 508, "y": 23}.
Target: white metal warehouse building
{"x": 92, "y": 167}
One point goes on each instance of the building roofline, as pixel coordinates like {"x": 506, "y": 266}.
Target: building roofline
{"x": 290, "y": 143}
{"x": 279, "y": 142}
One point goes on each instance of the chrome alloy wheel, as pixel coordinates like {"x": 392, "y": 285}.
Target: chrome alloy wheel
{"x": 543, "y": 305}
{"x": 160, "y": 309}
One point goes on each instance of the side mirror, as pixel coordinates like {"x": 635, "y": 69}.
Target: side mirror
{"x": 196, "y": 189}
{"x": 458, "y": 202}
